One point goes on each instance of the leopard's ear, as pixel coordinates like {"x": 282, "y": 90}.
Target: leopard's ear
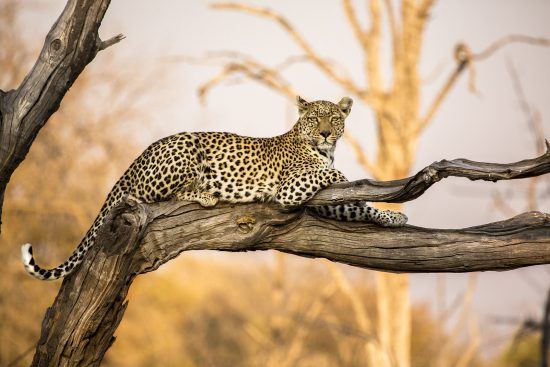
{"x": 302, "y": 104}
{"x": 345, "y": 105}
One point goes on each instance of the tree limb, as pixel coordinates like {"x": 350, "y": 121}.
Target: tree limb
{"x": 270, "y": 77}
{"x": 325, "y": 66}
{"x": 407, "y": 189}
{"x": 465, "y": 58}
{"x": 70, "y": 45}
{"x": 138, "y": 238}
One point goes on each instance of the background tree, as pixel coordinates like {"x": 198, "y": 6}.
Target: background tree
{"x": 395, "y": 99}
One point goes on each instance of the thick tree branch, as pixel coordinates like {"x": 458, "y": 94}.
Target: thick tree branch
{"x": 138, "y": 238}
{"x": 71, "y": 44}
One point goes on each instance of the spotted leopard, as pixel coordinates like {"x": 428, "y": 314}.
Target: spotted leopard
{"x": 207, "y": 167}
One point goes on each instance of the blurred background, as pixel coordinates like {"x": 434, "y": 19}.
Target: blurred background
{"x": 190, "y": 66}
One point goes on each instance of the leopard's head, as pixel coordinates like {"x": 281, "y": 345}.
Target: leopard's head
{"x": 321, "y": 123}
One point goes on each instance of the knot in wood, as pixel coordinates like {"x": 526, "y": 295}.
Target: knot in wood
{"x": 430, "y": 175}
{"x": 55, "y": 45}
{"x": 462, "y": 54}
{"x": 129, "y": 219}
{"x": 245, "y": 224}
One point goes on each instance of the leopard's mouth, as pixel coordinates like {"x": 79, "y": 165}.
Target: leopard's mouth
{"x": 324, "y": 145}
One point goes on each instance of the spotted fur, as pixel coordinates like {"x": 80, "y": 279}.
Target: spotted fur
{"x": 207, "y": 167}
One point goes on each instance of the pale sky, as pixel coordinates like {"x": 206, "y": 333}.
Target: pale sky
{"x": 485, "y": 127}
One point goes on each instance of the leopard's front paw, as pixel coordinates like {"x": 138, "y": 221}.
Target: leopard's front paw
{"x": 207, "y": 200}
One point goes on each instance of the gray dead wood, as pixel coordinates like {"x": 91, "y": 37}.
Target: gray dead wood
{"x": 399, "y": 191}
{"x": 71, "y": 44}
{"x": 138, "y": 238}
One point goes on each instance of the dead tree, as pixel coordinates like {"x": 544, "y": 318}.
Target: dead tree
{"x": 138, "y": 238}
{"x": 71, "y": 44}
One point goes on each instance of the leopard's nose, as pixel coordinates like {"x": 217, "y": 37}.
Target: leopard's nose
{"x": 325, "y": 134}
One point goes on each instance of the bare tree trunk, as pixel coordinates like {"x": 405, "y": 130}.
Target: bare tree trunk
{"x": 71, "y": 44}
{"x": 138, "y": 238}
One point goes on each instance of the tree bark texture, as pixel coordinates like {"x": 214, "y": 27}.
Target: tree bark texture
{"x": 138, "y": 238}
{"x": 71, "y": 44}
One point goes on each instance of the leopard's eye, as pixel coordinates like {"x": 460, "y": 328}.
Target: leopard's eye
{"x": 312, "y": 119}
{"x": 335, "y": 119}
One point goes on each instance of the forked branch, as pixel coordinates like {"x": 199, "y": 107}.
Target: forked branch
{"x": 465, "y": 58}
{"x": 308, "y": 50}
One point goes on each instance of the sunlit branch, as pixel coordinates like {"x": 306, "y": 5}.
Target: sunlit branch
{"x": 254, "y": 71}
{"x": 394, "y": 28}
{"x": 534, "y": 122}
{"x": 325, "y": 66}
{"x": 461, "y": 62}
{"x": 425, "y": 7}
{"x": 351, "y": 15}
{"x": 506, "y": 40}
{"x": 374, "y": 72}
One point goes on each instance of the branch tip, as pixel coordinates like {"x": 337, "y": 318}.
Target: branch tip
{"x": 399, "y": 191}
{"x": 111, "y": 41}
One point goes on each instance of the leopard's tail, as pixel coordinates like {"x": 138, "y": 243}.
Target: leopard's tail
{"x": 78, "y": 254}
{"x": 68, "y": 266}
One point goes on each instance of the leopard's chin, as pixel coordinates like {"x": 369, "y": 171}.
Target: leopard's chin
{"x": 324, "y": 146}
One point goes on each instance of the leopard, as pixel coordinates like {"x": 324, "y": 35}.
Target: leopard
{"x": 212, "y": 167}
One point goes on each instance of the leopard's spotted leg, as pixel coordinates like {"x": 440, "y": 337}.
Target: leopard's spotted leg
{"x": 204, "y": 198}
{"x": 302, "y": 186}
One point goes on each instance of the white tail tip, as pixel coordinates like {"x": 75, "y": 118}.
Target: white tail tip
{"x": 26, "y": 253}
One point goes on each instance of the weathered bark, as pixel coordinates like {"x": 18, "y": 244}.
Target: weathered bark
{"x": 400, "y": 191}
{"x": 138, "y": 238}
{"x": 71, "y": 44}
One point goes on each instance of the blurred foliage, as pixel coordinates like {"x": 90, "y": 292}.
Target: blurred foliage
{"x": 202, "y": 313}
{"x": 524, "y": 352}
{"x": 192, "y": 312}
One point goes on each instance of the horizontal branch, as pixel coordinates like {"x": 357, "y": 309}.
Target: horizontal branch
{"x": 407, "y": 189}
{"x": 176, "y": 227}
